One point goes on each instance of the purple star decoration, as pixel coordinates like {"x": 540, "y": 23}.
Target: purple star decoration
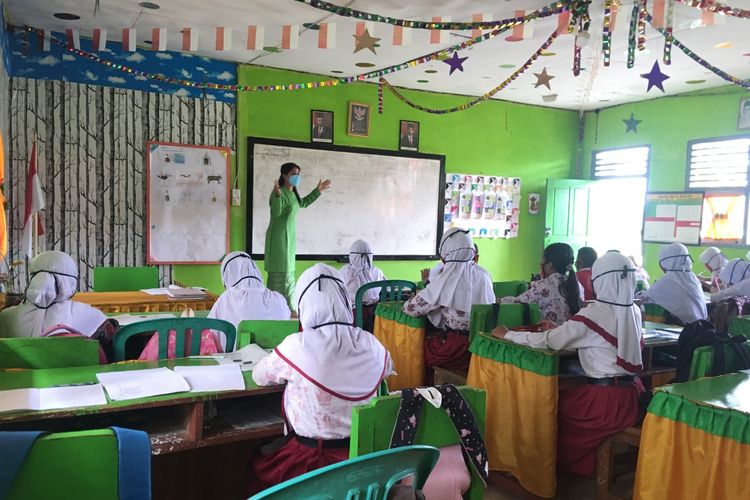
{"x": 655, "y": 77}
{"x": 455, "y": 62}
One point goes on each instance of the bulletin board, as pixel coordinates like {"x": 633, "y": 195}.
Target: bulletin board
{"x": 486, "y": 206}
{"x": 673, "y": 218}
{"x": 187, "y": 209}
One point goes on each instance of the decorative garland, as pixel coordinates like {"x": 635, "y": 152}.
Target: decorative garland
{"x": 482, "y": 98}
{"x": 668, "y": 29}
{"x": 607, "y": 33}
{"x": 642, "y": 26}
{"x": 632, "y": 34}
{"x": 717, "y": 8}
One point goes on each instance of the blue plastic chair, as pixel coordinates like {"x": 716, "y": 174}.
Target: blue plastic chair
{"x": 390, "y": 290}
{"x": 367, "y": 477}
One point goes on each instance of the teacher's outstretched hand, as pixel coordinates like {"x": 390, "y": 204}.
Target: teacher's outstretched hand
{"x": 281, "y": 236}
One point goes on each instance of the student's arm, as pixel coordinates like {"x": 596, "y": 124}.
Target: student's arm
{"x": 278, "y": 205}
{"x": 569, "y": 335}
{"x": 527, "y": 297}
{"x": 307, "y": 200}
{"x": 727, "y": 293}
{"x": 271, "y": 370}
{"x": 417, "y": 306}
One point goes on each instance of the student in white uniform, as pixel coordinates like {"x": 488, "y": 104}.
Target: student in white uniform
{"x": 607, "y": 334}
{"x": 715, "y": 262}
{"x": 360, "y": 271}
{"x": 678, "y": 291}
{"x": 47, "y": 303}
{"x": 735, "y": 281}
{"x": 245, "y": 297}
{"x": 481, "y": 277}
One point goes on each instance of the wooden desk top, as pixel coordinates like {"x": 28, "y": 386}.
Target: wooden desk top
{"x": 135, "y": 297}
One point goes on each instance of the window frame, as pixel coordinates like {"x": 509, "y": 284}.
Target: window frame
{"x": 592, "y": 170}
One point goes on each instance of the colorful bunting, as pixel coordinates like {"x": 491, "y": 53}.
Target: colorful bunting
{"x": 438, "y": 35}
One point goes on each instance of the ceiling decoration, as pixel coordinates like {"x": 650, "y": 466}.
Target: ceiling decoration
{"x": 604, "y": 34}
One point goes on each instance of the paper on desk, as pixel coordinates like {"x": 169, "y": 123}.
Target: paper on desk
{"x": 247, "y": 357}
{"x": 155, "y": 291}
{"x": 52, "y": 398}
{"x": 134, "y": 384}
{"x": 223, "y": 377}
{"x": 127, "y": 319}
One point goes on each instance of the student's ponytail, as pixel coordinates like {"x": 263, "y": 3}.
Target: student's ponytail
{"x": 285, "y": 169}
{"x": 560, "y": 255}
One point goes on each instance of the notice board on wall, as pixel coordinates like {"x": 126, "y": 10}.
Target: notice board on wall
{"x": 673, "y": 218}
{"x": 187, "y": 210}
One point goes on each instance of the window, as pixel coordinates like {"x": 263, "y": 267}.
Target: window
{"x": 625, "y": 162}
{"x": 719, "y": 167}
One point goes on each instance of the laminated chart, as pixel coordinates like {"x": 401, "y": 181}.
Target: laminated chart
{"x": 673, "y": 218}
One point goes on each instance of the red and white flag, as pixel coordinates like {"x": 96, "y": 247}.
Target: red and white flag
{"x": 33, "y": 204}
{"x": 223, "y": 38}
{"x": 255, "y": 35}
{"x": 100, "y": 40}
{"x": 478, "y": 18}
{"x": 563, "y": 21}
{"x": 44, "y": 40}
{"x": 189, "y": 40}
{"x": 74, "y": 39}
{"x": 439, "y": 36}
{"x": 159, "y": 39}
{"x": 290, "y": 36}
{"x": 327, "y": 36}
{"x": 128, "y": 39}
{"x": 708, "y": 18}
{"x": 401, "y": 36}
{"x": 522, "y": 31}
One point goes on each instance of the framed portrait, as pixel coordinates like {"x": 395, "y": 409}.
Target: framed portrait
{"x": 408, "y": 138}
{"x": 743, "y": 120}
{"x": 534, "y": 200}
{"x": 359, "y": 119}
{"x": 321, "y": 126}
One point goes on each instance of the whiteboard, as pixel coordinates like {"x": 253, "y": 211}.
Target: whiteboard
{"x": 393, "y": 200}
{"x": 187, "y": 213}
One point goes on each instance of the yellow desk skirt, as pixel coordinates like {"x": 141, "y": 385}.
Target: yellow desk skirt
{"x": 403, "y": 336}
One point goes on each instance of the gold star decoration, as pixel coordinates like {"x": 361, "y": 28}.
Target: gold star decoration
{"x": 543, "y": 78}
{"x": 365, "y": 41}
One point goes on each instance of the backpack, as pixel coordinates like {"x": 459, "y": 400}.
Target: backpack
{"x": 702, "y": 333}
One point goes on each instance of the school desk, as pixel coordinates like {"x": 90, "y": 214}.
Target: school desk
{"x": 695, "y": 441}
{"x": 137, "y": 301}
{"x": 522, "y": 385}
{"x": 403, "y": 336}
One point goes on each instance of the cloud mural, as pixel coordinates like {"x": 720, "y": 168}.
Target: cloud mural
{"x": 48, "y": 66}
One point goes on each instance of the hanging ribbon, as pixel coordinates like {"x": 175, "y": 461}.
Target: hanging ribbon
{"x": 717, "y": 8}
{"x": 582, "y": 21}
{"x": 607, "y": 33}
{"x": 380, "y": 96}
{"x": 632, "y": 40}
{"x": 641, "y": 25}
{"x": 668, "y": 28}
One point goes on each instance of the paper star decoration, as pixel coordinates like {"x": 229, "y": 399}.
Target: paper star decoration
{"x": 455, "y": 62}
{"x": 631, "y": 124}
{"x": 365, "y": 41}
{"x": 543, "y": 78}
{"x": 655, "y": 77}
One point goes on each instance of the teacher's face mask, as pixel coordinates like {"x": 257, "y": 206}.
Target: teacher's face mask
{"x": 294, "y": 180}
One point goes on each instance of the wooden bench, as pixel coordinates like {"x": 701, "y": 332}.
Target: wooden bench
{"x": 605, "y": 455}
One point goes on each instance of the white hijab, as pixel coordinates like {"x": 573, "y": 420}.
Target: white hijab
{"x": 613, "y": 277}
{"x": 339, "y": 358}
{"x": 53, "y": 282}
{"x": 483, "y": 293}
{"x": 360, "y": 271}
{"x": 245, "y": 296}
{"x": 714, "y": 261}
{"x": 679, "y": 291}
{"x": 736, "y": 270}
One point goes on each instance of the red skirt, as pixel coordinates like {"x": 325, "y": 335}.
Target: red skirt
{"x": 449, "y": 350}
{"x": 292, "y": 460}
{"x": 587, "y": 415}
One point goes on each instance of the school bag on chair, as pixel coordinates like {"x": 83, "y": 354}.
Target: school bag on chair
{"x": 702, "y": 333}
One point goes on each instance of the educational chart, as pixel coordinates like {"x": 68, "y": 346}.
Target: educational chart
{"x": 391, "y": 200}
{"x": 187, "y": 218}
{"x": 488, "y": 206}
{"x": 673, "y": 218}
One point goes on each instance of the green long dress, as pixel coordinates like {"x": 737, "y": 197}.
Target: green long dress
{"x": 281, "y": 241}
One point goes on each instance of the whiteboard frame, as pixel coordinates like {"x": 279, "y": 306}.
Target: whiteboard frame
{"x": 439, "y": 194}
{"x": 643, "y": 223}
{"x": 149, "y": 260}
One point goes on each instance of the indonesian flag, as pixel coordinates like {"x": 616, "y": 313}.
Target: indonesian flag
{"x": 100, "y": 40}
{"x": 290, "y": 36}
{"x": 189, "y": 40}
{"x": 159, "y": 39}
{"x": 401, "y": 36}
{"x": 33, "y": 203}
{"x": 525, "y": 30}
{"x": 223, "y": 38}
{"x": 327, "y": 36}
{"x": 44, "y": 40}
{"x": 74, "y": 39}
{"x": 439, "y": 36}
{"x": 255, "y": 35}
{"x": 128, "y": 39}
{"x": 708, "y": 18}
{"x": 478, "y": 18}
{"x": 563, "y": 21}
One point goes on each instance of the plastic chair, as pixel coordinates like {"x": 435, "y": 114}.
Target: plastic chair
{"x": 267, "y": 333}
{"x": 390, "y": 290}
{"x": 180, "y": 326}
{"x": 367, "y": 477}
{"x": 509, "y": 288}
{"x": 510, "y": 315}
{"x": 702, "y": 363}
{"x": 52, "y": 352}
{"x": 123, "y": 279}
{"x": 82, "y": 465}
{"x": 373, "y": 423}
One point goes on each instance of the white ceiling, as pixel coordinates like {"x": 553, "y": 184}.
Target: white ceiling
{"x": 596, "y": 87}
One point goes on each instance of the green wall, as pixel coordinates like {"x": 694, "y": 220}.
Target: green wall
{"x": 494, "y": 138}
{"x": 668, "y": 124}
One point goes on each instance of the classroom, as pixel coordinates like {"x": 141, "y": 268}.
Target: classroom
{"x": 438, "y": 249}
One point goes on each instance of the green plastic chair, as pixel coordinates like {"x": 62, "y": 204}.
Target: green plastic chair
{"x": 373, "y": 423}
{"x": 81, "y": 465}
{"x": 48, "y": 352}
{"x": 181, "y": 326}
{"x": 267, "y": 333}
{"x": 702, "y": 363}
{"x": 509, "y": 288}
{"x": 124, "y": 279}
{"x": 510, "y": 315}
{"x": 390, "y": 290}
{"x": 367, "y": 477}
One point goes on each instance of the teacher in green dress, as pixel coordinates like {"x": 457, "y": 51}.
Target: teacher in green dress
{"x": 281, "y": 236}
